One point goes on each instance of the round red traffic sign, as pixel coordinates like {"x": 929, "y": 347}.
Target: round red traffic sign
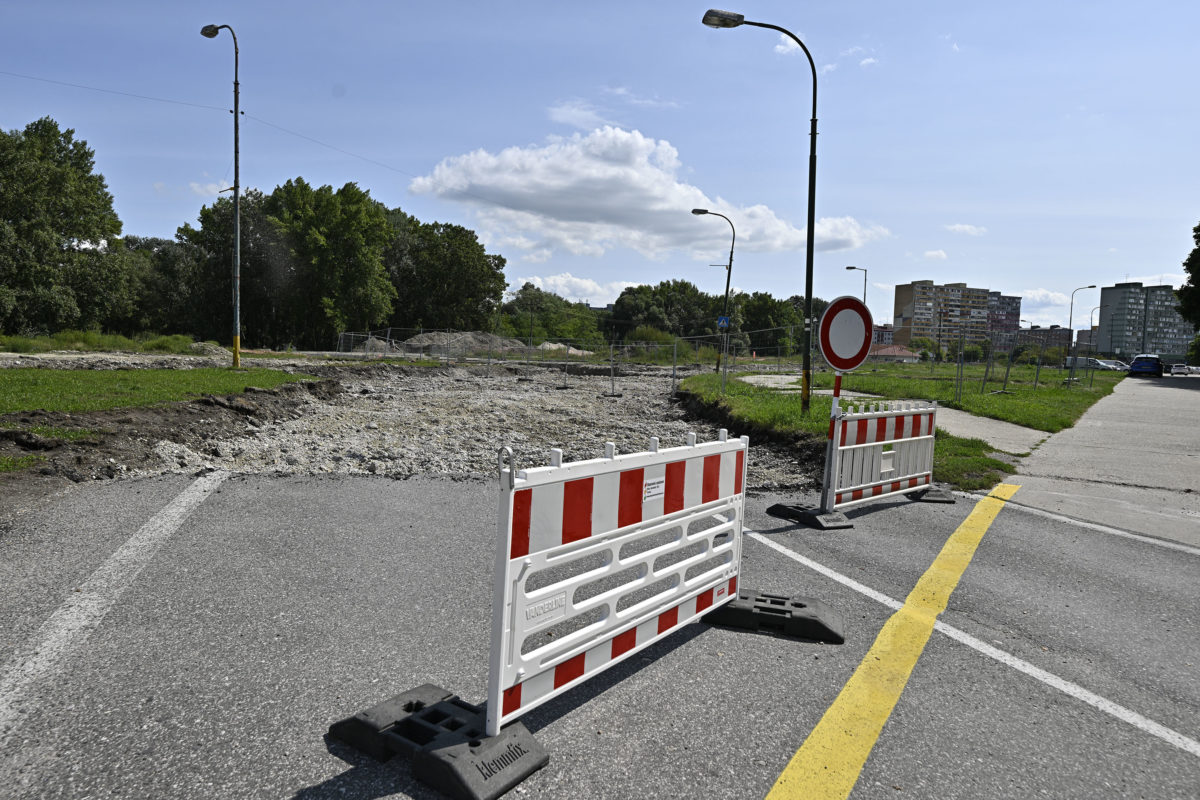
{"x": 844, "y": 335}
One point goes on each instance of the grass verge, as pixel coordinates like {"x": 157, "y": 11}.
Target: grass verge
{"x": 759, "y": 411}
{"x": 76, "y": 390}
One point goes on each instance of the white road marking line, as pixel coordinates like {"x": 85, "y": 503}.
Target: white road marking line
{"x": 1095, "y": 526}
{"x": 1133, "y": 718}
{"x": 69, "y": 627}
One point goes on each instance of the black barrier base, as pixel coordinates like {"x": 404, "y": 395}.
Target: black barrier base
{"x": 933, "y": 495}
{"x": 444, "y": 737}
{"x": 797, "y": 617}
{"x": 813, "y": 517}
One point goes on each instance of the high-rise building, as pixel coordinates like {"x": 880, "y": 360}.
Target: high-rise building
{"x": 1004, "y": 313}
{"x": 1142, "y": 319}
{"x": 940, "y": 313}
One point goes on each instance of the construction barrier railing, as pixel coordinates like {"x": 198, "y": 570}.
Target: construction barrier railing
{"x": 878, "y": 450}
{"x": 599, "y": 559}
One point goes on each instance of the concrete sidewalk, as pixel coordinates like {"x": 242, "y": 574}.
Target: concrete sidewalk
{"x": 1004, "y": 436}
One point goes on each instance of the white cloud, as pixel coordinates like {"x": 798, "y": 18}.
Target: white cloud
{"x": 828, "y": 68}
{"x": 787, "y": 46}
{"x": 866, "y": 62}
{"x": 936, "y": 255}
{"x": 587, "y": 194}
{"x": 205, "y": 189}
{"x": 578, "y": 290}
{"x": 578, "y": 114}
{"x": 969, "y": 230}
{"x": 1043, "y": 298}
{"x": 637, "y": 100}
{"x": 853, "y": 51}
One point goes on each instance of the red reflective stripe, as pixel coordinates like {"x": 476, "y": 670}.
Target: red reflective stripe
{"x": 912, "y": 482}
{"x": 624, "y": 642}
{"x": 860, "y": 436}
{"x": 522, "y": 503}
{"x": 740, "y": 468}
{"x": 629, "y": 502}
{"x": 842, "y": 443}
{"x": 837, "y": 500}
{"x": 881, "y": 429}
{"x": 896, "y": 486}
{"x": 668, "y": 619}
{"x": 856, "y": 494}
{"x": 704, "y": 600}
{"x": 733, "y": 586}
{"x": 512, "y": 699}
{"x": 831, "y": 423}
{"x": 711, "y": 486}
{"x": 673, "y": 497}
{"x": 577, "y": 510}
{"x": 568, "y": 671}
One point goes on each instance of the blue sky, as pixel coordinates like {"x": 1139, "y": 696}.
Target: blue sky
{"x": 1026, "y": 147}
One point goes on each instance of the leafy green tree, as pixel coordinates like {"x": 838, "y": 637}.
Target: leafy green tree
{"x": 335, "y": 242}
{"x": 55, "y": 211}
{"x": 1189, "y": 293}
{"x": 767, "y": 320}
{"x": 443, "y": 277}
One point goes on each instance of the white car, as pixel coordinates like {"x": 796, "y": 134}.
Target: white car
{"x": 1180, "y": 369}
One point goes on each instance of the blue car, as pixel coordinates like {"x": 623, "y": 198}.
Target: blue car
{"x": 1146, "y": 364}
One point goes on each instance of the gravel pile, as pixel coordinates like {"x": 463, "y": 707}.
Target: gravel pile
{"x": 400, "y": 421}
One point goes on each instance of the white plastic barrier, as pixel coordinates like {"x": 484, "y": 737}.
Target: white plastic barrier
{"x": 878, "y": 451}
{"x": 599, "y": 559}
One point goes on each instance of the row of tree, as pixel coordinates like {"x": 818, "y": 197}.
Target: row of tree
{"x": 315, "y": 261}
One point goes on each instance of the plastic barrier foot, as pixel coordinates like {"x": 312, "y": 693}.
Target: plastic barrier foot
{"x": 444, "y": 737}
{"x": 813, "y": 517}
{"x": 933, "y": 495}
{"x": 797, "y": 617}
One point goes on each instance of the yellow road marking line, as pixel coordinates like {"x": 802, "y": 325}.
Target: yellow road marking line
{"x": 829, "y": 762}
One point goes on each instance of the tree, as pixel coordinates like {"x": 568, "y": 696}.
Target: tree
{"x": 767, "y": 320}
{"x": 54, "y": 214}
{"x": 443, "y": 277}
{"x": 335, "y": 242}
{"x": 1189, "y": 293}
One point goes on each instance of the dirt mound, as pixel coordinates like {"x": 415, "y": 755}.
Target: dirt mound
{"x": 461, "y": 342}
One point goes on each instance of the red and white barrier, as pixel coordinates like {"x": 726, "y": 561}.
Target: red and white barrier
{"x": 879, "y": 450}
{"x": 599, "y": 559}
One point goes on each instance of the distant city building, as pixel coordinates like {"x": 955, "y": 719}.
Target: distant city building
{"x": 1004, "y": 313}
{"x": 940, "y": 313}
{"x": 1142, "y": 319}
{"x": 893, "y": 353}
{"x": 1054, "y": 336}
{"x": 882, "y": 334}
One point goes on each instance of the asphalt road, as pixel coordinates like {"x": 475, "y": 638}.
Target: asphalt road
{"x": 195, "y": 637}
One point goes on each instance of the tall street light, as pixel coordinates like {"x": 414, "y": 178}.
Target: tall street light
{"x": 864, "y": 272}
{"x": 210, "y": 32}
{"x": 728, "y": 273}
{"x": 714, "y": 18}
{"x": 1071, "y": 332}
{"x": 1092, "y": 336}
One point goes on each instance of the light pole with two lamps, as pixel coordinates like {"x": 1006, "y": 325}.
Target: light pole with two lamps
{"x": 715, "y": 18}
{"x": 210, "y": 32}
{"x": 728, "y": 272}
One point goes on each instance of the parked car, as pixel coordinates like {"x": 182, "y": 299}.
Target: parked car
{"x": 1146, "y": 364}
{"x": 1180, "y": 369}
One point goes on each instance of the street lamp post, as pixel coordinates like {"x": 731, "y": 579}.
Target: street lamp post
{"x": 210, "y": 32}
{"x": 864, "y": 272}
{"x": 728, "y": 273}
{"x": 1092, "y": 340}
{"x": 714, "y": 18}
{"x": 1071, "y": 333}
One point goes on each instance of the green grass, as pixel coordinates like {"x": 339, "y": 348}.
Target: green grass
{"x": 962, "y": 463}
{"x": 1050, "y": 407}
{"x": 75, "y": 390}
{"x": 91, "y": 341}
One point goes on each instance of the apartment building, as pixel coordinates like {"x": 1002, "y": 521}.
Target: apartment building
{"x": 942, "y": 313}
{"x": 1142, "y": 319}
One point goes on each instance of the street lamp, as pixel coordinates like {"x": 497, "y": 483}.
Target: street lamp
{"x": 1092, "y": 339}
{"x": 864, "y": 272}
{"x": 728, "y": 272}
{"x": 714, "y": 18}
{"x": 1071, "y": 332}
{"x": 210, "y": 32}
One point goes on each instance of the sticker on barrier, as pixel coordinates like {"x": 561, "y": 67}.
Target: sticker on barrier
{"x": 879, "y": 450}
{"x": 599, "y": 559}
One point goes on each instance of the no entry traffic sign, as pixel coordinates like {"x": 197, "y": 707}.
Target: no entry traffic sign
{"x": 844, "y": 335}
